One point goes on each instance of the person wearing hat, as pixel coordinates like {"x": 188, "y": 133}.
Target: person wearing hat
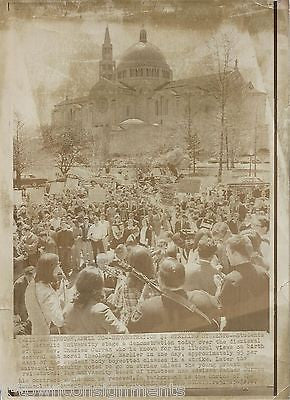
{"x": 244, "y": 292}
{"x": 88, "y": 314}
{"x": 175, "y": 310}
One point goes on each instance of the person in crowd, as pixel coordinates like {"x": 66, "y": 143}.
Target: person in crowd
{"x": 138, "y": 212}
{"x": 88, "y": 314}
{"x": 106, "y": 226}
{"x": 261, "y": 225}
{"x": 76, "y": 249}
{"x": 175, "y": 310}
{"x": 64, "y": 242}
{"x": 200, "y": 276}
{"x": 29, "y": 242}
{"x": 96, "y": 234}
{"x": 117, "y": 232}
{"x": 257, "y": 257}
{"x": 55, "y": 221}
{"x": 182, "y": 224}
{"x": 41, "y": 299}
{"x": 46, "y": 244}
{"x": 20, "y": 286}
{"x": 244, "y": 292}
{"x": 128, "y": 292}
{"x": 145, "y": 233}
{"x": 221, "y": 233}
{"x": 86, "y": 247}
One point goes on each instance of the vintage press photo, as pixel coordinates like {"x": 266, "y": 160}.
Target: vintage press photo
{"x": 140, "y": 198}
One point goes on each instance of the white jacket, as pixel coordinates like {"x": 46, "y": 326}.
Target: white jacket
{"x": 43, "y": 307}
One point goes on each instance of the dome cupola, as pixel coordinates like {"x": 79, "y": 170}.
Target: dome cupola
{"x": 143, "y": 61}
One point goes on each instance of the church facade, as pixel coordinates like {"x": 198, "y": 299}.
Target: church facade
{"x": 140, "y": 91}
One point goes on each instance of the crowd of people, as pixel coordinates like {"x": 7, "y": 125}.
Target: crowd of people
{"x": 137, "y": 264}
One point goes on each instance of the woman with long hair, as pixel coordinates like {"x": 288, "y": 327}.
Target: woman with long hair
{"x": 41, "y": 299}
{"x": 88, "y": 314}
{"x": 131, "y": 289}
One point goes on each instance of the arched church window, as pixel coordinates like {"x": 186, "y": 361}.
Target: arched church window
{"x": 147, "y": 71}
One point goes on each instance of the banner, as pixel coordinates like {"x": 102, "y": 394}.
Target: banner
{"x": 72, "y": 183}
{"x": 35, "y": 195}
{"x": 97, "y": 195}
{"x": 17, "y": 197}
{"x": 188, "y": 185}
{"x": 56, "y": 187}
{"x": 156, "y": 172}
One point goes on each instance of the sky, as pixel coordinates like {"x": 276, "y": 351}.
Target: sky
{"x": 57, "y": 56}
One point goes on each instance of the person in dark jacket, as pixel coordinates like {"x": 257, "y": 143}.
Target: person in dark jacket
{"x": 20, "y": 286}
{"x": 169, "y": 312}
{"x": 65, "y": 241}
{"x": 244, "y": 292}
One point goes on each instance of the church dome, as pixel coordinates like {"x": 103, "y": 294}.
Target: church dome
{"x": 143, "y": 59}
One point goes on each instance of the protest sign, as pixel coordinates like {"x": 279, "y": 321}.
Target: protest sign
{"x": 97, "y": 194}
{"x": 17, "y": 197}
{"x": 72, "y": 183}
{"x": 35, "y": 195}
{"x": 188, "y": 185}
{"x": 156, "y": 172}
{"x": 56, "y": 187}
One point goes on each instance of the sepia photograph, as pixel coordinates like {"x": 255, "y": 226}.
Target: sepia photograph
{"x": 141, "y": 176}
{"x": 145, "y": 226}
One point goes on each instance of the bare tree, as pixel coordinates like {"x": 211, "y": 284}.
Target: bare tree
{"x": 20, "y": 152}
{"x": 68, "y": 145}
{"x": 191, "y": 136}
{"x": 222, "y": 86}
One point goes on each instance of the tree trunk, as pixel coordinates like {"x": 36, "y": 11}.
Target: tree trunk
{"x": 220, "y": 170}
{"x": 227, "y": 150}
{"x": 18, "y": 178}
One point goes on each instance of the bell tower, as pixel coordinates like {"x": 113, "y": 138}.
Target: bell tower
{"x": 107, "y": 66}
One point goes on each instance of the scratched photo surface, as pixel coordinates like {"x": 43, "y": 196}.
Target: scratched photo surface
{"x": 141, "y": 150}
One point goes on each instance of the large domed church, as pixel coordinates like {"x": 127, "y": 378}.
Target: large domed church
{"x": 140, "y": 90}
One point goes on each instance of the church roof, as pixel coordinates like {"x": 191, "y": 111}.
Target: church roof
{"x": 207, "y": 82}
{"x": 143, "y": 53}
{"x": 76, "y": 100}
